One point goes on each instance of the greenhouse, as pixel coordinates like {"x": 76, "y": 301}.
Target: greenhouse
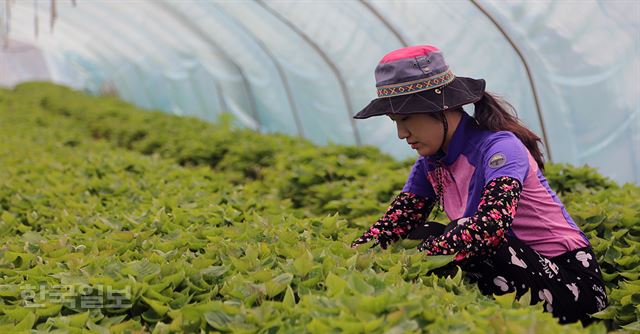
{"x": 197, "y": 166}
{"x": 304, "y": 68}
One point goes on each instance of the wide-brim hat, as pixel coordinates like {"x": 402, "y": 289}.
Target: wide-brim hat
{"x": 417, "y": 79}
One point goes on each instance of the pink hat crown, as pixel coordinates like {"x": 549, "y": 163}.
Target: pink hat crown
{"x": 410, "y": 70}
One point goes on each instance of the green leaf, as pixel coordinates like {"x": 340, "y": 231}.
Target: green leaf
{"x": 628, "y": 261}
{"x": 631, "y": 276}
{"x": 8, "y": 218}
{"x": 48, "y": 310}
{"x": 634, "y": 326}
{"x": 609, "y": 277}
{"x": 15, "y": 313}
{"x": 79, "y": 319}
{"x": 373, "y": 325}
{"x": 27, "y": 322}
{"x": 289, "y": 300}
{"x": 619, "y": 233}
{"x": 611, "y": 255}
{"x": 125, "y": 327}
{"x": 278, "y": 284}
{"x": 525, "y": 299}
{"x": 335, "y": 285}
{"x": 505, "y": 300}
{"x": 374, "y": 304}
{"x": 10, "y": 290}
{"x": 303, "y": 264}
{"x": 458, "y": 277}
{"x": 218, "y": 320}
{"x": 357, "y": 284}
{"x": 157, "y": 306}
{"x": 437, "y": 261}
{"x": 142, "y": 270}
{"x": 318, "y": 326}
{"x": 152, "y": 294}
{"x": 214, "y": 271}
{"x": 175, "y": 279}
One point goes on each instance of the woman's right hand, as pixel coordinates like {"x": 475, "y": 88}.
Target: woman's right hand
{"x": 377, "y": 231}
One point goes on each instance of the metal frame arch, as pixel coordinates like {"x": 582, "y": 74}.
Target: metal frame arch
{"x": 158, "y": 35}
{"x": 386, "y": 22}
{"x": 325, "y": 57}
{"x": 198, "y": 32}
{"x": 5, "y": 22}
{"x": 221, "y": 101}
{"x": 67, "y": 25}
{"x": 76, "y": 21}
{"x": 534, "y": 91}
{"x": 196, "y": 44}
{"x": 132, "y": 55}
{"x": 278, "y": 66}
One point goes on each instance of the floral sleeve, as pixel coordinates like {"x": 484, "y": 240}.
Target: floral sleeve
{"x": 406, "y": 210}
{"x": 483, "y": 232}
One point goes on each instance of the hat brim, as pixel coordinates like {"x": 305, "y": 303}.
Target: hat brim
{"x": 459, "y": 92}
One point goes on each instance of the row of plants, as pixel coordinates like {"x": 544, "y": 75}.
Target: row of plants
{"x": 205, "y": 227}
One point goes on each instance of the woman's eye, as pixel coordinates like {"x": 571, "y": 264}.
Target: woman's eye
{"x": 404, "y": 118}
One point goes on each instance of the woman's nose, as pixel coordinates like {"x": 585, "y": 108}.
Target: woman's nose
{"x": 402, "y": 131}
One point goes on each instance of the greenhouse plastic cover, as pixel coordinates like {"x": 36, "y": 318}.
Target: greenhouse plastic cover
{"x": 305, "y": 67}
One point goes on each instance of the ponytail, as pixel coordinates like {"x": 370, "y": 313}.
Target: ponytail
{"x": 496, "y": 114}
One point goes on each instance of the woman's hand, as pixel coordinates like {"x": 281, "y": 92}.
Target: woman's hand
{"x": 377, "y": 231}
{"x": 485, "y": 231}
{"x": 406, "y": 210}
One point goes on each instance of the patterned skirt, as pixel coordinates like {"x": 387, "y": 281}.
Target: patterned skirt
{"x": 570, "y": 285}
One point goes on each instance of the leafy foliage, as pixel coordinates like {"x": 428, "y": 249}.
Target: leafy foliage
{"x": 566, "y": 178}
{"x": 214, "y": 228}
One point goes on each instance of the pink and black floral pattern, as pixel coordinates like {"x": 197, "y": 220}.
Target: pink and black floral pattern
{"x": 406, "y": 210}
{"x": 485, "y": 231}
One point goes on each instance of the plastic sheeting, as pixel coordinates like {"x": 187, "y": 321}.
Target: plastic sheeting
{"x": 303, "y": 68}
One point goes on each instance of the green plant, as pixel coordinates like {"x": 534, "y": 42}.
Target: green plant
{"x": 205, "y": 227}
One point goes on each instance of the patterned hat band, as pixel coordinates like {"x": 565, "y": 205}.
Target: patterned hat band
{"x": 412, "y": 80}
{"x": 415, "y": 86}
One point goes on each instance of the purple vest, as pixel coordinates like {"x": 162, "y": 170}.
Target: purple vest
{"x": 476, "y": 156}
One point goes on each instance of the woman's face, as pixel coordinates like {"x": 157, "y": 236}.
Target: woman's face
{"x": 422, "y": 132}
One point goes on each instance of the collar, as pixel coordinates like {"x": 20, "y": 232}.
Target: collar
{"x": 457, "y": 143}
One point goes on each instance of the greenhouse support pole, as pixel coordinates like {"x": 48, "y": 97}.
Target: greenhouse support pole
{"x": 198, "y": 32}
{"x": 534, "y": 91}
{"x": 6, "y": 24}
{"x": 334, "y": 68}
{"x": 283, "y": 76}
{"x": 384, "y": 21}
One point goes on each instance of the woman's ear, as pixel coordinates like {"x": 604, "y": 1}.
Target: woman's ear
{"x": 453, "y": 114}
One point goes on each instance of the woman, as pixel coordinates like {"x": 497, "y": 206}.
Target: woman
{"x": 509, "y": 230}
